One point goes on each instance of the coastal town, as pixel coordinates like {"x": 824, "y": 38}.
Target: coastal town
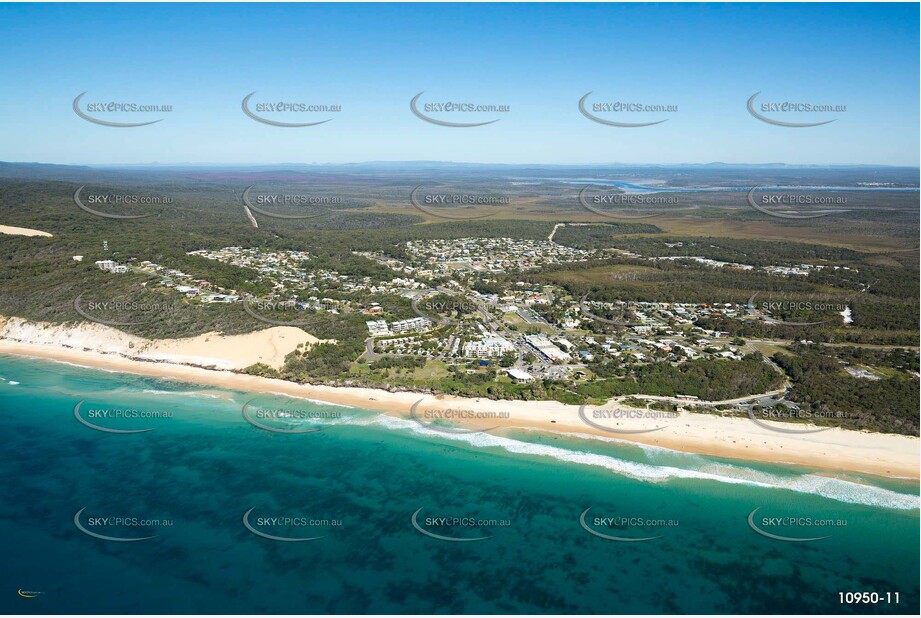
{"x": 529, "y": 332}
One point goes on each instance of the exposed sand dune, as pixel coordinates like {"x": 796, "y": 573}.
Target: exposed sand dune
{"x": 22, "y": 231}
{"x": 269, "y": 346}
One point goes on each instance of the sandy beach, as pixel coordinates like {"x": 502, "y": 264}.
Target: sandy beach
{"x": 21, "y": 231}
{"x": 834, "y": 450}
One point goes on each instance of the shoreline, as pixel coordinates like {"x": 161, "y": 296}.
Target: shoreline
{"x": 835, "y": 450}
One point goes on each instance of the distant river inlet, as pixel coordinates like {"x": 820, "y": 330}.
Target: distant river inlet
{"x": 633, "y": 188}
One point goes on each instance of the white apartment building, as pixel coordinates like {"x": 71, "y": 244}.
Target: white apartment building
{"x": 110, "y": 266}
{"x": 377, "y": 327}
{"x": 411, "y": 325}
{"x": 488, "y": 347}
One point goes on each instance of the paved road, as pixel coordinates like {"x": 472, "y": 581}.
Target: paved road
{"x": 370, "y": 354}
{"x": 872, "y": 346}
{"x": 705, "y": 402}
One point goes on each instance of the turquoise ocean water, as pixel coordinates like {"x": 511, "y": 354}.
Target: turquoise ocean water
{"x": 355, "y": 486}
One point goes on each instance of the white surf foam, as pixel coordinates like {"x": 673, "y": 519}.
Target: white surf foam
{"x": 319, "y": 402}
{"x": 198, "y": 394}
{"x": 831, "y": 488}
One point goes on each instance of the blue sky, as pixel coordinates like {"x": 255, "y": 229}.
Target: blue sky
{"x": 538, "y": 59}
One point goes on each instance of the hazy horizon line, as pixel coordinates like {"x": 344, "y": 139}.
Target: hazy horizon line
{"x": 460, "y": 163}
